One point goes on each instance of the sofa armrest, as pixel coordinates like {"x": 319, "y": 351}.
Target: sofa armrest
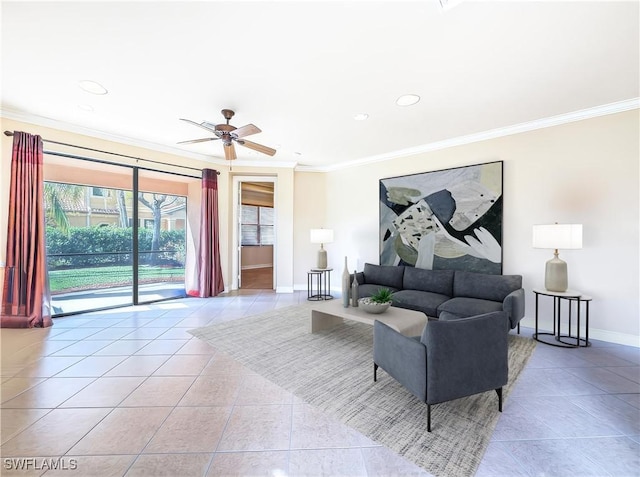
{"x": 359, "y": 276}
{"x": 513, "y": 304}
{"x": 402, "y": 357}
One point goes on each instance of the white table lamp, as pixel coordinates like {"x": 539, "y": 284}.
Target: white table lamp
{"x": 557, "y": 236}
{"x": 321, "y": 236}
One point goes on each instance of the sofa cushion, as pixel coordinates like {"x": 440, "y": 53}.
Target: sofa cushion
{"x": 426, "y": 302}
{"x": 462, "y": 306}
{"x": 436, "y": 281}
{"x": 387, "y": 275}
{"x": 369, "y": 289}
{"x": 446, "y": 316}
{"x": 485, "y": 286}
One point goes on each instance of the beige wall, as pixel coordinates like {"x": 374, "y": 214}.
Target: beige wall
{"x": 284, "y": 193}
{"x": 310, "y": 212}
{"x": 583, "y": 172}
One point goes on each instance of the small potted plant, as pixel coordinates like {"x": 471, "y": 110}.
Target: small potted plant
{"x": 377, "y": 303}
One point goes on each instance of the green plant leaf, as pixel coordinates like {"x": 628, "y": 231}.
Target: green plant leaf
{"x": 383, "y": 295}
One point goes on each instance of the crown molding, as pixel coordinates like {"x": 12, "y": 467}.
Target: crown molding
{"x": 603, "y": 110}
{"x": 606, "y": 109}
{"x": 68, "y": 127}
{"x": 263, "y": 164}
{"x": 73, "y": 128}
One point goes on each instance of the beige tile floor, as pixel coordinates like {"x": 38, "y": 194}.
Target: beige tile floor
{"x": 130, "y": 392}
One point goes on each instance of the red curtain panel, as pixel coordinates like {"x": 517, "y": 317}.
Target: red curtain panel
{"x": 26, "y": 298}
{"x": 210, "y": 281}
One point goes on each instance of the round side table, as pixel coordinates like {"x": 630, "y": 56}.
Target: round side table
{"x": 557, "y": 338}
{"x": 322, "y": 278}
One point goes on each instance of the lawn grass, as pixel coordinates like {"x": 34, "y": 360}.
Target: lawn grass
{"x": 106, "y": 277}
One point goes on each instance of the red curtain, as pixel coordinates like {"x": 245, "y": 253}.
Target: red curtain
{"x": 26, "y": 299}
{"x": 210, "y": 281}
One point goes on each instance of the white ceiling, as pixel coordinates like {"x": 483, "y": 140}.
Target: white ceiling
{"x": 301, "y": 70}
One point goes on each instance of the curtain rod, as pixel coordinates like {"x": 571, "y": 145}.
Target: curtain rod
{"x": 10, "y": 133}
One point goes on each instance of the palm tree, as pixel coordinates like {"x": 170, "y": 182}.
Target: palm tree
{"x": 55, "y": 194}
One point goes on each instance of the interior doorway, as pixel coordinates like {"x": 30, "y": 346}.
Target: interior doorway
{"x": 256, "y": 233}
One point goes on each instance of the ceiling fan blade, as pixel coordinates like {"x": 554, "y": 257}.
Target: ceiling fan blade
{"x": 200, "y": 125}
{"x": 257, "y": 147}
{"x": 247, "y": 130}
{"x": 192, "y": 141}
{"x": 230, "y": 152}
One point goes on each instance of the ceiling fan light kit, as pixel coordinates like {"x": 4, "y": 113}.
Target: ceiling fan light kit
{"x": 229, "y": 134}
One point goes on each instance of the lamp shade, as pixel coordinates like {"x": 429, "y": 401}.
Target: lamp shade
{"x": 321, "y": 235}
{"x": 557, "y": 236}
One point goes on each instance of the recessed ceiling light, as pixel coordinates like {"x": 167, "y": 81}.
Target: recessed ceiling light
{"x": 360, "y": 116}
{"x": 407, "y": 99}
{"x": 92, "y": 87}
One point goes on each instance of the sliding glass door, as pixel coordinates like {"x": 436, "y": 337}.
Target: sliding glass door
{"x": 114, "y": 238}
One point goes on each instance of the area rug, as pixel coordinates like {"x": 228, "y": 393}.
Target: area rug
{"x": 333, "y": 371}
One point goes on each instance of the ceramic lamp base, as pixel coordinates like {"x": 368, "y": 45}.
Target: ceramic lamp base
{"x": 322, "y": 259}
{"x": 555, "y": 277}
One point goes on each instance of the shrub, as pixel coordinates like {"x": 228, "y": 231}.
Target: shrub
{"x": 102, "y": 246}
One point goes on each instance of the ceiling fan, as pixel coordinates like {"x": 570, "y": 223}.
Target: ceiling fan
{"x": 230, "y": 134}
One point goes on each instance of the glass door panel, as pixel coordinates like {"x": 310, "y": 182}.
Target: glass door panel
{"x": 89, "y": 243}
{"x": 162, "y": 223}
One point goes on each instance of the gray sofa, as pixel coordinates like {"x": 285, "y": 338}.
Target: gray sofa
{"x": 455, "y": 293}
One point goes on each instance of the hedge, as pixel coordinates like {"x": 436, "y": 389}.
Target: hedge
{"x": 103, "y": 246}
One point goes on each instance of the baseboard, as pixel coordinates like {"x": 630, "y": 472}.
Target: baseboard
{"x": 284, "y": 289}
{"x": 614, "y": 337}
{"x": 594, "y": 333}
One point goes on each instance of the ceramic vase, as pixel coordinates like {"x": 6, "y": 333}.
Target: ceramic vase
{"x": 354, "y": 290}
{"x": 345, "y": 285}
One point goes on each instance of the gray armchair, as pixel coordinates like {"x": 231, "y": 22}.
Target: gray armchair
{"x": 454, "y": 357}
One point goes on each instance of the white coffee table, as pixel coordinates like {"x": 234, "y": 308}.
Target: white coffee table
{"x": 327, "y": 314}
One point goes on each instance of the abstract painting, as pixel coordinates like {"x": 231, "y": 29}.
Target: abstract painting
{"x": 449, "y": 219}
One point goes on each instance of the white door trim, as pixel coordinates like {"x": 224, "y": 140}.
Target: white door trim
{"x": 235, "y": 234}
